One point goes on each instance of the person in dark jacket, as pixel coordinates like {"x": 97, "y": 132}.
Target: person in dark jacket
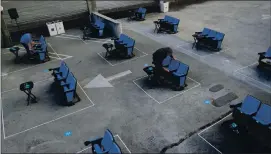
{"x": 158, "y": 57}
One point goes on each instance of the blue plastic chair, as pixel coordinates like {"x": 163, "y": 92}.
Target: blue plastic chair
{"x": 57, "y": 69}
{"x": 212, "y": 34}
{"x": 263, "y": 116}
{"x": 115, "y": 149}
{"x": 102, "y": 144}
{"x": 268, "y": 53}
{"x": 219, "y": 38}
{"x": 130, "y": 46}
{"x": 249, "y": 106}
{"x": 63, "y": 73}
{"x": 181, "y": 74}
{"x": 166, "y": 61}
{"x": 69, "y": 88}
{"x": 174, "y": 65}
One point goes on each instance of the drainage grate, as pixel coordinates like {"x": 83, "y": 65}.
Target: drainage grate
{"x": 223, "y": 100}
{"x": 216, "y": 88}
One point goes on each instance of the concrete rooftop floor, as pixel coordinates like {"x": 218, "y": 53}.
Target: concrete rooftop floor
{"x": 142, "y": 119}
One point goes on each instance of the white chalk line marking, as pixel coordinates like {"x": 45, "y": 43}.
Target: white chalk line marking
{"x": 132, "y": 59}
{"x": 245, "y": 75}
{"x": 3, "y": 125}
{"x": 209, "y": 143}
{"x": 72, "y": 38}
{"x": 49, "y": 122}
{"x": 214, "y": 124}
{"x": 37, "y": 64}
{"x": 209, "y": 128}
{"x": 114, "y": 137}
{"x": 34, "y": 83}
{"x": 119, "y": 75}
{"x": 61, "y": 116}
{"x": 201, "y": 56}
{"x": 182, "y": 92}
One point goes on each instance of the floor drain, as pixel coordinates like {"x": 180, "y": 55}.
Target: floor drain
{"x": 223, "y": 100}
{"x": 216, "y": 88}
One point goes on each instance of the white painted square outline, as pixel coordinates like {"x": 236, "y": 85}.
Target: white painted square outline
{"x": 183, "y": 91}
{"x": 114, "y": 137}
{"x": 238, "y": 71}
{"x": 56, "y": 58}
{"x": 181, "y": 46}
{"x": 12, "y": 135}
{"x": 132, "y": 59}
{"x": 209, "y": 128}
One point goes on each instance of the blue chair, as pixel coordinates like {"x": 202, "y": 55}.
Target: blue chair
{"x": 204, "y": 32}
{"x": 174, "y": 65}
{"x": 63, "y": 73}
{"x": 99, "y": 28}
{"x": 118, "y": 41}
{"x": 218, "y": 40}
{"x": 40, "y": 51}
{"x": 166, "y": 61}
{"x": 139, "y": 14}
{"x": 69, "y": 89}
{"x": 266, "y": 54}
{"x": 102, "y": 144}
{"x": 168, "y": 24}
{"x": 129, "y": 46}
{"x": 115, "y": 149}
{"x": 263, "y": 116}
{"x": 208, "y": 38}
{"x": 57, "y": 69}
{"x": 179, "y": 76}
{"x": 243, "y": 112}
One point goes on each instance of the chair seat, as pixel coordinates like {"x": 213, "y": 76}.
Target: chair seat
{"x": 14, "y": 49}
{"x": 62, "y": 83}
{"x": 177, "y": 74}
{"x": 261, "y": 121}
{"x": 98, "y": 149}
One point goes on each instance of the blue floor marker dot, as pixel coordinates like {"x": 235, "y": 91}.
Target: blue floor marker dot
{"x": 68, "y": 133}
{"x": 45, "y": 71}
{"x": 207, "y": 102}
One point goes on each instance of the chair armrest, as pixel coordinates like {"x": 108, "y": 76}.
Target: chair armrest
{"x": 98, "y": 150}
{"x": 69, "y": 90}
{"x": 211, "y": 37}
{"x": 114, "y": 38}
{"x": 93, "y": 141}
{"x": 198, "y": 32}
{"x": 53, "y": 69}
{"x": 179, "y": 75}
{"x": 65, "y": 84}
{"x": 235, "y": 105}
{"x": 128, "y": 46}
{"x": 261, "y": 53}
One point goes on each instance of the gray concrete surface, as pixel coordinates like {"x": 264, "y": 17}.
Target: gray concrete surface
{"x": 143, "y": 124}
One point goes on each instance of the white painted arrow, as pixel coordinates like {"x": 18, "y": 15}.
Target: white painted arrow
{"x": 99, "y": 81}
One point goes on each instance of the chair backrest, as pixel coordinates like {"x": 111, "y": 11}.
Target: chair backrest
{"x": 65, "y": 71}
{"x": 166, "y": 61}
{"x": 122, "y": 37}
{"x": 71, "y": 80}
{"x": 143, "y": 10}
{"x": 107, "y": 140}
{"x": 205, "y": 31}
{"x": 26, "y": 38}
{"x": 130, "y": 42}
{"x": 26, "y": 47}
{"x": 219, "y": 36}
{"x": 174, "y": 65}
{"x": 167, "y": 18}
{"x": 115, "y": 149}
{"x": 212, "y": 33}
{"x": 268, "y": 52}
{"x": 139, "y": 10}
{"x": 264, "y": 113}
{"x": 183, "y": 69}
{"x": 250, "y": 105}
